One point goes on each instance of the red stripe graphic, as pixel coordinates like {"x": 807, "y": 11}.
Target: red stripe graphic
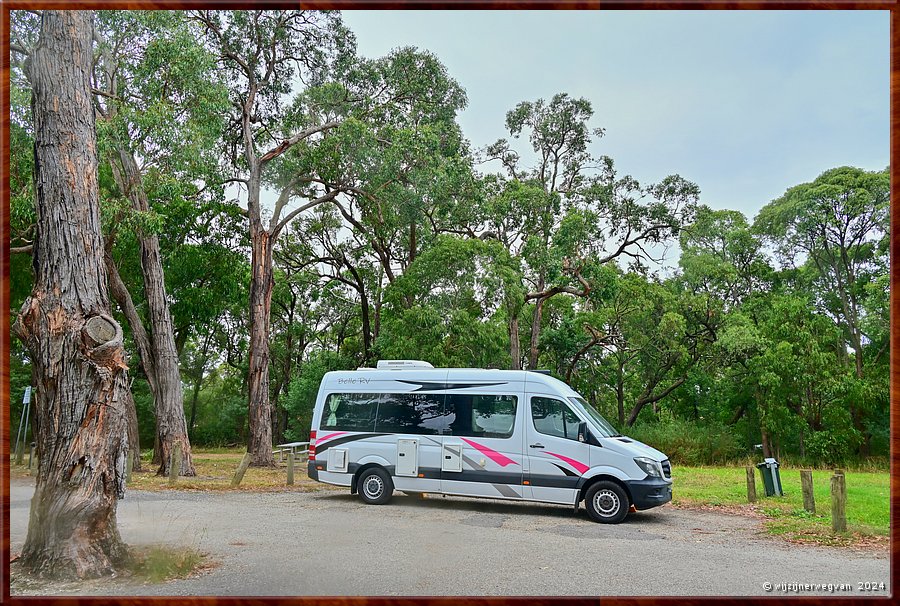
{"x": 581, "y": 467}
{"x": 331, "y": 435}
{"x": 499, "y": 458}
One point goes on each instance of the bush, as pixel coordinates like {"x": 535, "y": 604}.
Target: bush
{"x": 301, "y": 396}
{"x": 690, "y": 443}
{"x": 831, "y": 447}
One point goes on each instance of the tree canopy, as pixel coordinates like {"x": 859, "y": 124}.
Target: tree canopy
{"x": 316, "y": 209}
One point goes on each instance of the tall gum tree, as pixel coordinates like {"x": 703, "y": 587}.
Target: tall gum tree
{"x": 403, "y": 165}
{"x": 262, "y": 53}
{"x": 75, "y": 345}
{"x": 158, "y": 108}
{"x": 835, "y": 230}
{"x": 307, "y": 150}
{"x": 578, "y": 212}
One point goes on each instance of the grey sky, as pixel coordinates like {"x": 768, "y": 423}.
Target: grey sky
{"x": 744, "y": 103}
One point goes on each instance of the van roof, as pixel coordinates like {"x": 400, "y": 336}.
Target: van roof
{"x": 395, "y": 374}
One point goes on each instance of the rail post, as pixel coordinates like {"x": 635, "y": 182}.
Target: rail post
{"x": 175, "y": 463}
{"x": 751, "y": 485}
{"x": 838, "y": 502}
{"x": 241, "y": 470}
{"x": 290, "y": 468}
{"x": 806, "y": 483}
{"x": 128, "y": 463}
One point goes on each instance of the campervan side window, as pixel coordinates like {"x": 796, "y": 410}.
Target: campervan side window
{"x": 420, "y": 413}
{"x": 350, "y": 411}
{"x": 485, "y": 416}
{"x": 553, "y": 418}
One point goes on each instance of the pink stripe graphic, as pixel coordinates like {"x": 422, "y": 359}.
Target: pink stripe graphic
{"x": 581, "y": 467}
{"x": 498, "y": 458}
{"x": 331, "y": 435}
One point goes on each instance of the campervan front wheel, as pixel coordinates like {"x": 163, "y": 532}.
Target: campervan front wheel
{"x": 606, "y": 502}
{"x": 375, "y": 486}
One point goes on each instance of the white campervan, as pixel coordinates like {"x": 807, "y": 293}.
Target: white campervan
{"x": 502, "y": 434}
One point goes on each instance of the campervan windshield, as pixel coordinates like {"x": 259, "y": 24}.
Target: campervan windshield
{"x": 602, "y": 425}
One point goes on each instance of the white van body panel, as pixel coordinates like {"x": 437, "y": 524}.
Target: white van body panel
{"x": 606, "y": 470}
{"x": 532, "y": 454}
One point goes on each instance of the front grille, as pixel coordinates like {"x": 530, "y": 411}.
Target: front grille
{"x": 667, "y": 468}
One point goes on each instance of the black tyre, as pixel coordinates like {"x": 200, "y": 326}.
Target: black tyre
{"x": 375, "y": 486}
{"x": 606, "y": 502}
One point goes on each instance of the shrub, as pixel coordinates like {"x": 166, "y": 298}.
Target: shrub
{"x": 690, "y": 443}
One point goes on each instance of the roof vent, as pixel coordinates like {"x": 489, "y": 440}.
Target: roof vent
{"x": 402, "y": 364}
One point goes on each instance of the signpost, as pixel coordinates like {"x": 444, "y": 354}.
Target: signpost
{"x": 20, "y": 436}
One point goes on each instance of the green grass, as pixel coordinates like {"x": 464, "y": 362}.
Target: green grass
{"x": 156, "y": 564}
{"x": 868, "y": 501}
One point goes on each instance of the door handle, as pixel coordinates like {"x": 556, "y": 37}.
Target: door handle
{"x": 447, "y": 457}
{"x": 402, "y": 454}
{"x": 538, "y": 445}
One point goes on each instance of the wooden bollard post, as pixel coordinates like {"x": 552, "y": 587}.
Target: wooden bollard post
{"x": 175, "y": 463}
{"x": 129, "y": 461}
{"x": 30, "y": 454}
{"x": 290, "y": 469}
{"x": 806, "y": 483}
{"x": 751, "y": 485}
{"x": 838, "y": 502}
{"x": 37, "y": 465}
{"x": 241, "y": 470}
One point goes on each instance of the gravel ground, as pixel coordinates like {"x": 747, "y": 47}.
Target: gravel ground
{"x": 329, "y": 543}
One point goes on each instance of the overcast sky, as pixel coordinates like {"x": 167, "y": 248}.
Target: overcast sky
{"x": 743, "y": 103}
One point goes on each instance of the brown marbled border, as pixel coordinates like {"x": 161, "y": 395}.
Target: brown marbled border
{"x": 892, "y": 5}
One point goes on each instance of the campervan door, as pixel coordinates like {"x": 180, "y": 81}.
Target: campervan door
{"x": 556, "y": 456}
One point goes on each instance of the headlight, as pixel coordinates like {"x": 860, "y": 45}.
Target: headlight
{"x": 650, "y": 467}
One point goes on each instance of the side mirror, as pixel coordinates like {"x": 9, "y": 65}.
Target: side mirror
{"x": 582, "y": 432}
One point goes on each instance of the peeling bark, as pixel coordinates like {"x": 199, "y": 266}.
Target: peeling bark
{"x": 75, "y": 345}
{"x": 261, "y": 284}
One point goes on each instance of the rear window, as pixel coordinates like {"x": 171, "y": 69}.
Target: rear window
{"x": 350, "y": 411}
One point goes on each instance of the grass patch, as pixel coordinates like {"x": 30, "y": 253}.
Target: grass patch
{"x": 159, "y": 563}
{"x": 868, "y": 503}
{"x": 215, "y": 469}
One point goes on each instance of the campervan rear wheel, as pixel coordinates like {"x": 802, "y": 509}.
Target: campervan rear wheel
{"x": 606, "y": 502}
{"x": 375, "y": 486}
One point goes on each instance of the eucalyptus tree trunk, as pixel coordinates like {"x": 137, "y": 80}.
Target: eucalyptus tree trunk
{"x": 261, "y": 284}
{"x": 515, "y": 350}
{"x": 75, "y": 345}
{"x": 171, "y": 427}
{"x": 535, "y": 331}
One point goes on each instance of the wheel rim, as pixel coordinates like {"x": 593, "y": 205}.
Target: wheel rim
{"x": 373, "y": 487}
{"x": 606, "y": 503}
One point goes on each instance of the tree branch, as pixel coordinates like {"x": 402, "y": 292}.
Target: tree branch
{"x": 291, "y": 141}
{"x": 287, "y": 219}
